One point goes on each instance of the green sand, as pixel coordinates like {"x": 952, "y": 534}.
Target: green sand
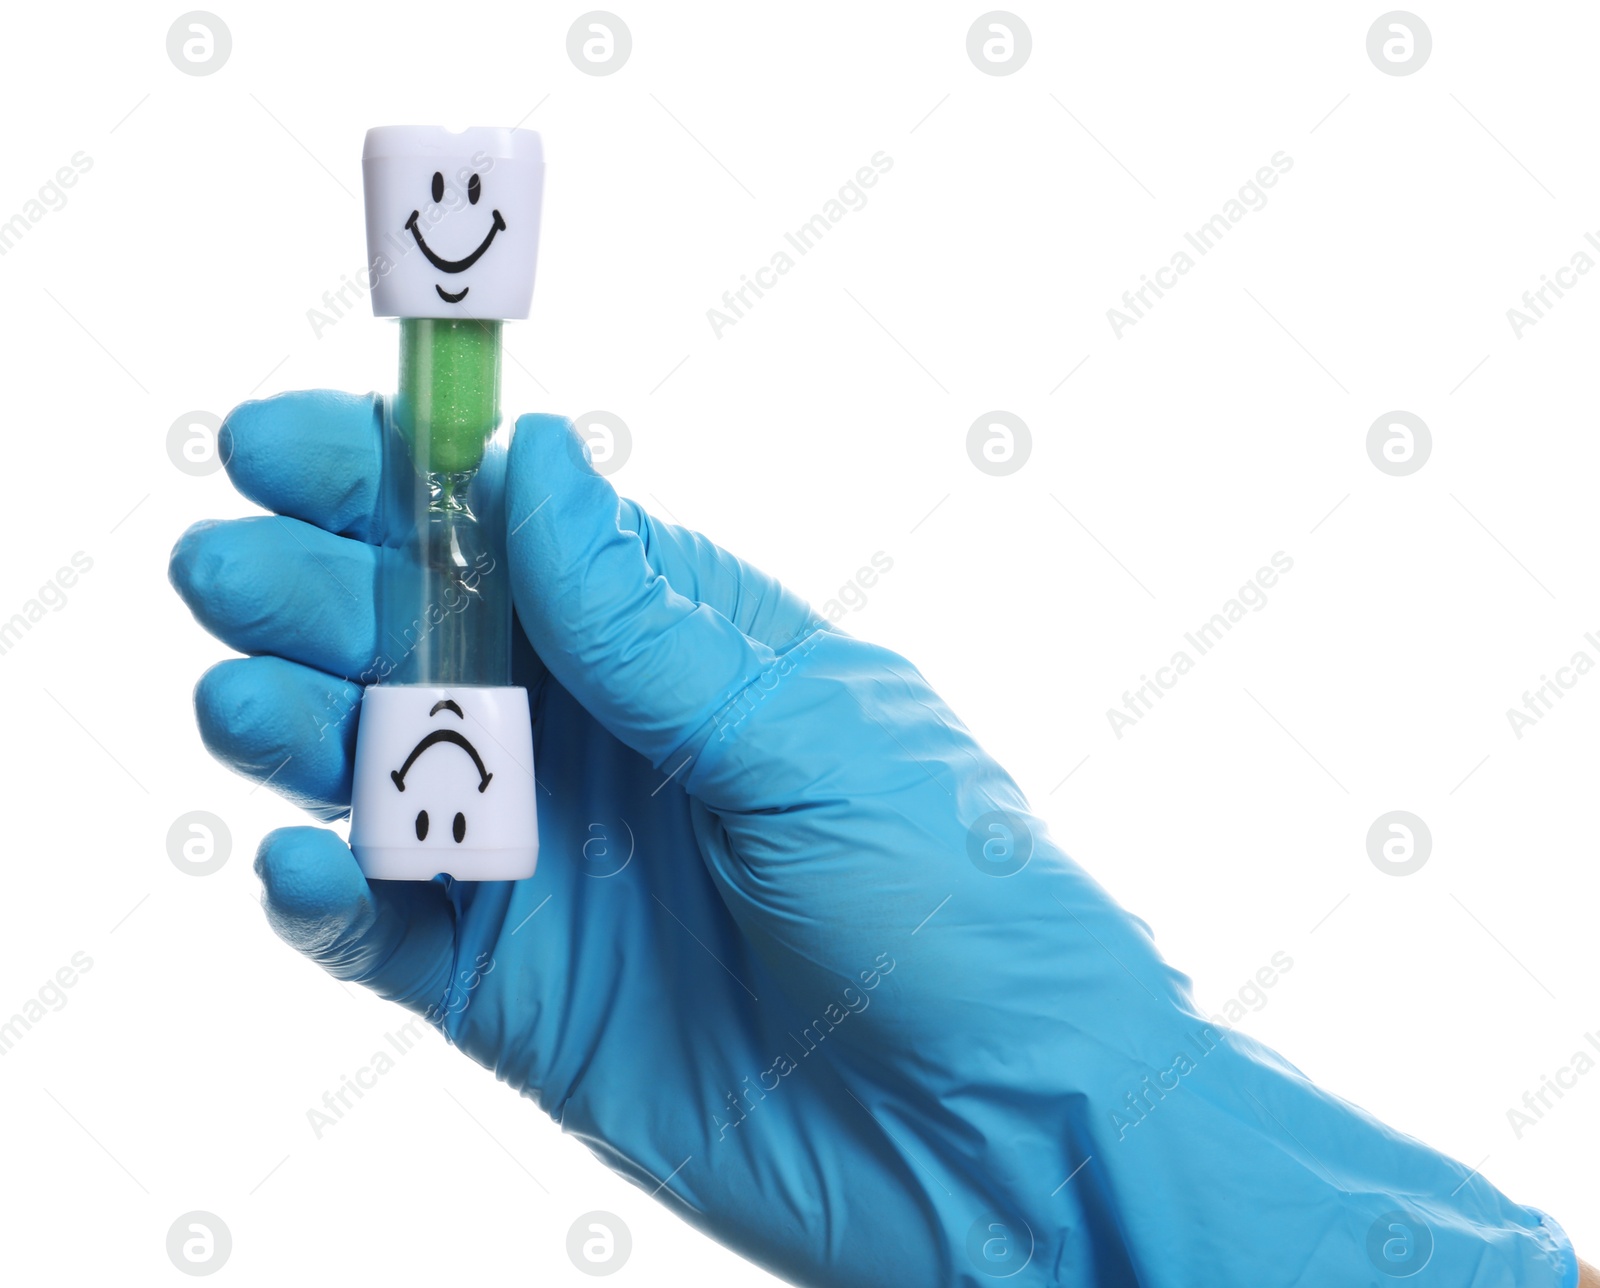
{"x": 449, "y": 401}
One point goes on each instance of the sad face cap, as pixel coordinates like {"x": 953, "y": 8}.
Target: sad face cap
{"x": 452, "y": 220}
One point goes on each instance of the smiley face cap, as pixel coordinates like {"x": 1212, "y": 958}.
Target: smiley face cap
{"x": 452, "y": 220}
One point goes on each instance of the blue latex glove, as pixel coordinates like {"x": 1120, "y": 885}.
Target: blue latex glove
{"x": 818, "y": 1013}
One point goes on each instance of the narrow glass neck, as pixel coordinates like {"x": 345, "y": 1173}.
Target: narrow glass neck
{"x": 444, "y": 594}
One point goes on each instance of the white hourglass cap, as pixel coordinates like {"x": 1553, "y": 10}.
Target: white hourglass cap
{"x": 444, "y": 783}
{"x": 452, "y": 220}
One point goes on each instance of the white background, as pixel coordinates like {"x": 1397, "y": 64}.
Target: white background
{"x": 1228, "y": 424}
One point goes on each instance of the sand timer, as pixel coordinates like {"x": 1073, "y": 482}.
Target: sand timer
{"x": 444, "y": 750}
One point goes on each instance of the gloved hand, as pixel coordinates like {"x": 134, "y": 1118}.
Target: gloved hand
{"x": 846, "y": 1007}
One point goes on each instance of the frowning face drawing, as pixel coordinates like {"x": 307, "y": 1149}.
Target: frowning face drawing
{"x": 454, "y": 801}
{"x": 444, "y": 783}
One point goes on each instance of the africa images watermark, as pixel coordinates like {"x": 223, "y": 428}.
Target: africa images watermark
{"x": 1250, "y": 598}
{"x": 52, "y": 196}
{"x": 337, "y": 1103}
{"x": 804, "y": 239}
{"x": 1539, "y": 702}
{"x": 458, "y": 596}
{"x": 354, "y": 1087}
{"x": 733, "y": 713}
{"x": 1252, "y": 994}
{"x": 853, "y": 595}
{"x": 1251, "y": 196}
{"x": 51, "y": 996}
{"x": 852, "y": 1001}
{"x": 52, "y": 595}
{"x": 351, "y": 291}
{"x": 1139, "y": 1104}
{"x": 1537, "y": 1103}
{"x": 1537, "y": 302}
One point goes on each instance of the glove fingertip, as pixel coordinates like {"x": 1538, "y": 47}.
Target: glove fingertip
{"x": 548, "y": 459}
{"x": 186, "y": 565}
{"x": 223, "y": 696}
{"x": 314, "y": 454}
{"x": 313, "y": 890}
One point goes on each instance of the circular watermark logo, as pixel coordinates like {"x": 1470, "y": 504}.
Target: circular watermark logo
{"x": 999, "y": 43}
{"x": 192, "y": 443}
{"x": 599, "y": 1243}
{"x": 1399, "y": 43}
{"x": 599, "y": 43}
{"x": 999, "y": 1246}
{"x": 199, "y": 1243}
{"x": 607, "y": 438}
{"x": 1399, "y": 843}
{"x": 1000, "y": 843}
{"x": 999, "y": 443}
{"x": 1399, "y": 443}
{"x": 606, "y": 849}
{"x": 1399, "y": 1244}
{"x": 198, "y": 43}
{"x": 198, "y": 843}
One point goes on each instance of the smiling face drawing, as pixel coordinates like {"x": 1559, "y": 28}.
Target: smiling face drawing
{"x": 474, "y": 191}
{"x": 452, "y": 220}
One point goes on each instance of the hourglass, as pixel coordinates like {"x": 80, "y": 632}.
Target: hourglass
{"x": 444, "y": 773}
